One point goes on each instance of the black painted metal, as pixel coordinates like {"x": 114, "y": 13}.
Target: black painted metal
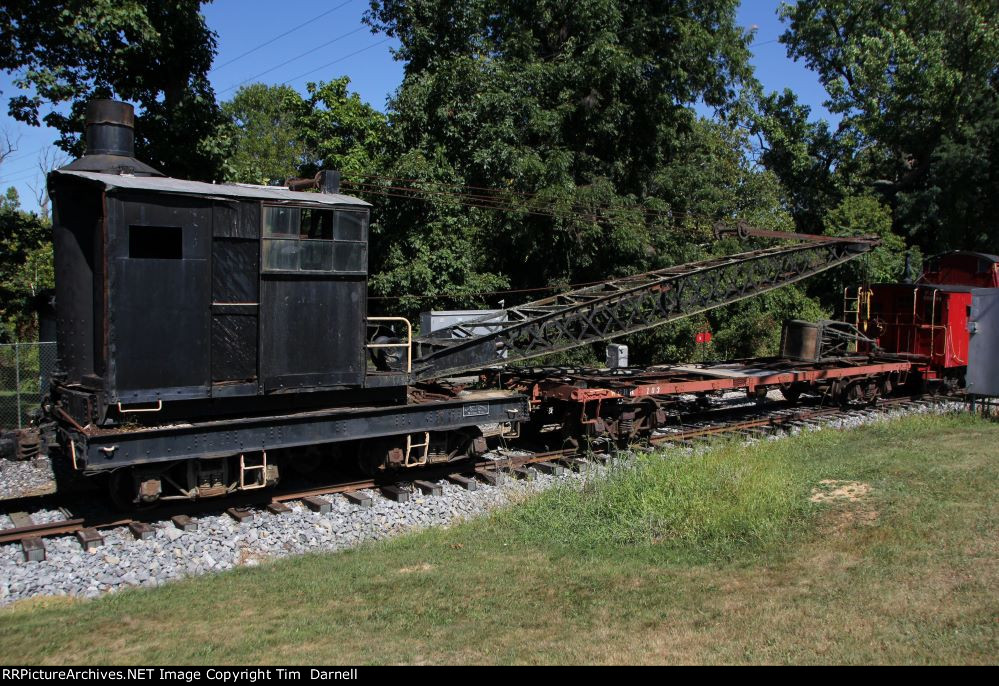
{"x": 312, "y": 331}
{"x": 102, "y": 450}
{"x": 159, "y": 328}
{"x": 624, "y": 306}
{"x": 76, "y": 229}
{"x": 110, "y": 138}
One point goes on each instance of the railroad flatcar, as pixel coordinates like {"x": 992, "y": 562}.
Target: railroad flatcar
{"x": 940, "y": 334}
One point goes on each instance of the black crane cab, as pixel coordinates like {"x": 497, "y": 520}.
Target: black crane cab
{"x": 172, "y": 290}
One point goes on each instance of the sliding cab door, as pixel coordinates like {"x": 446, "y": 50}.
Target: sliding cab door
{"x": 157, "y": 295}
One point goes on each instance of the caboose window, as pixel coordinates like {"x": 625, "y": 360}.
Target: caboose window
{"x": 311, "y": 239}
{"x": 156, "y": 242}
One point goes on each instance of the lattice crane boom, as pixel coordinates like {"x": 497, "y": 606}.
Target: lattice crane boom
{"x": 627, "y": 305}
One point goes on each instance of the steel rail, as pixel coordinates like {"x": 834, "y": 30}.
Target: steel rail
{"x": 772, "y": 421}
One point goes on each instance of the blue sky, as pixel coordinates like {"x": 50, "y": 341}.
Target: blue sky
{"x": 295, "y": 43}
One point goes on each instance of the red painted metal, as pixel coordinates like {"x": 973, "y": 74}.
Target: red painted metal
{"x": 666, "y": 381}
{"x": 751, "y": 380}
{"x": 962, "y": 268}
{"x": 928, "y": 322}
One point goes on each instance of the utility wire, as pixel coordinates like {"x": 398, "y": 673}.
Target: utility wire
{"x": 341, "y": 59}
{"x": 279, "y": 36}
{"x": 293, "y": 59}
{"x": 19, "y": 179}
{"x": 8, "y": 160}
{"x": 499, "y": 199}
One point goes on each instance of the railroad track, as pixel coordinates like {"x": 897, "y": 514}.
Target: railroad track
{"x": 466, "y": 475}
{"x": 782, "y": 420}
{"x": 777, "y": 420}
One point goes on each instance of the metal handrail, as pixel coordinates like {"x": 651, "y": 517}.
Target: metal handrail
{"x": 408, "y": 344}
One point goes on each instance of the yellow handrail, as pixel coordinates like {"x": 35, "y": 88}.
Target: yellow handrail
{"x": 408, "y": 345}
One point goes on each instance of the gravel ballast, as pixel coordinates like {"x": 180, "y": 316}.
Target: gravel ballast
{"x": 24, "y": 479}
{"x": 221, "y": 543}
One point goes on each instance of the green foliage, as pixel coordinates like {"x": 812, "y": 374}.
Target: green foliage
{"x": 715, "y": 180}
{"x": 150, "y": 52}
{"x": 865, "y": 216}
{"x": 915, "y": 84}
{"x": 265, "y": 143}
{"x": 337, "y": 129}
{"x": 752, "y": 327}
{"x": 805, "y": 155}
{"x": 26, "y": 267}
{"x": 429, "y": 253}
{"x": 275, "y": 133}
{"x": 582, "y": 116}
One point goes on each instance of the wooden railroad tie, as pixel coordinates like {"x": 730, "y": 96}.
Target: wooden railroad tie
{"x": 359, "y": 499}
{"x": 240, "y": 514}
{"x": 33, "y": 549}
{"x": 428, "y": 488}
{"x": 465, "y": 482}
{"x": 141, "y": 531}
{"x": 278, "y": 508}
{"x": 316, "y": 504}
{"x": 184, "y": 523}
{"x": 89, "y": 539}
{"x": 396, "y": 493}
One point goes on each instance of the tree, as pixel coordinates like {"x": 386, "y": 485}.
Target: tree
{"x": 337, "y": 129}
{"x": 810, "y": 159}
{"x": 154, "y": 53}
{"x": 26, "y": 270}
{"x": 865, "y": 215}
{"x": 264, "y": 140}
{"x": 916, "y": 85}
{"x": 561, "y": 118}
{"x": 715, "y": 180}
{"x": 275, "y": 133}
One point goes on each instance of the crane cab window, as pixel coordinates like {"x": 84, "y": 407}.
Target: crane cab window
{"x": 317, "y": 240}
{"x": 155, "y": 242}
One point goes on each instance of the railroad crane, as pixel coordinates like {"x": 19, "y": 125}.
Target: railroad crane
{"x": 212, "y": 335}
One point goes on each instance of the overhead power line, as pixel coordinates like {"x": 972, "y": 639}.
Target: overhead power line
{"x": 8, "y": 160}
{"x": 19, "y": 179}
{"x": 293, "y": 59}
{"x": 279, "y": 36}
{"x": 341, "y": 59}
{"x": 506, "y": 200}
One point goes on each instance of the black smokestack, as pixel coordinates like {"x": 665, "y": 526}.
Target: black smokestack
{"x": 110, "y": 128}
{"x": 110, "y": 138}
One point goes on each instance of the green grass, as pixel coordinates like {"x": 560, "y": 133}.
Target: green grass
{"x": 713, "y": 505}
{"x": 714, "y": 559}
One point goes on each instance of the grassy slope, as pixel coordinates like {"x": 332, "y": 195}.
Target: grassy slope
{"x": 721, "y": 559}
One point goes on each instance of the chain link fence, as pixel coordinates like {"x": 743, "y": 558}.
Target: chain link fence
{"x": 24, "y": 378}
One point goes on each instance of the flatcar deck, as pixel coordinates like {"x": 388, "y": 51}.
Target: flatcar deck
{"x": 583, "y": 385}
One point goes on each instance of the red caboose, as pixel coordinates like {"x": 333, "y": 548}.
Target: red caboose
{"x": 927, "y": 321}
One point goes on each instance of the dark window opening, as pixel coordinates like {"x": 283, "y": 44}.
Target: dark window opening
{"x": 155, "y": 242}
